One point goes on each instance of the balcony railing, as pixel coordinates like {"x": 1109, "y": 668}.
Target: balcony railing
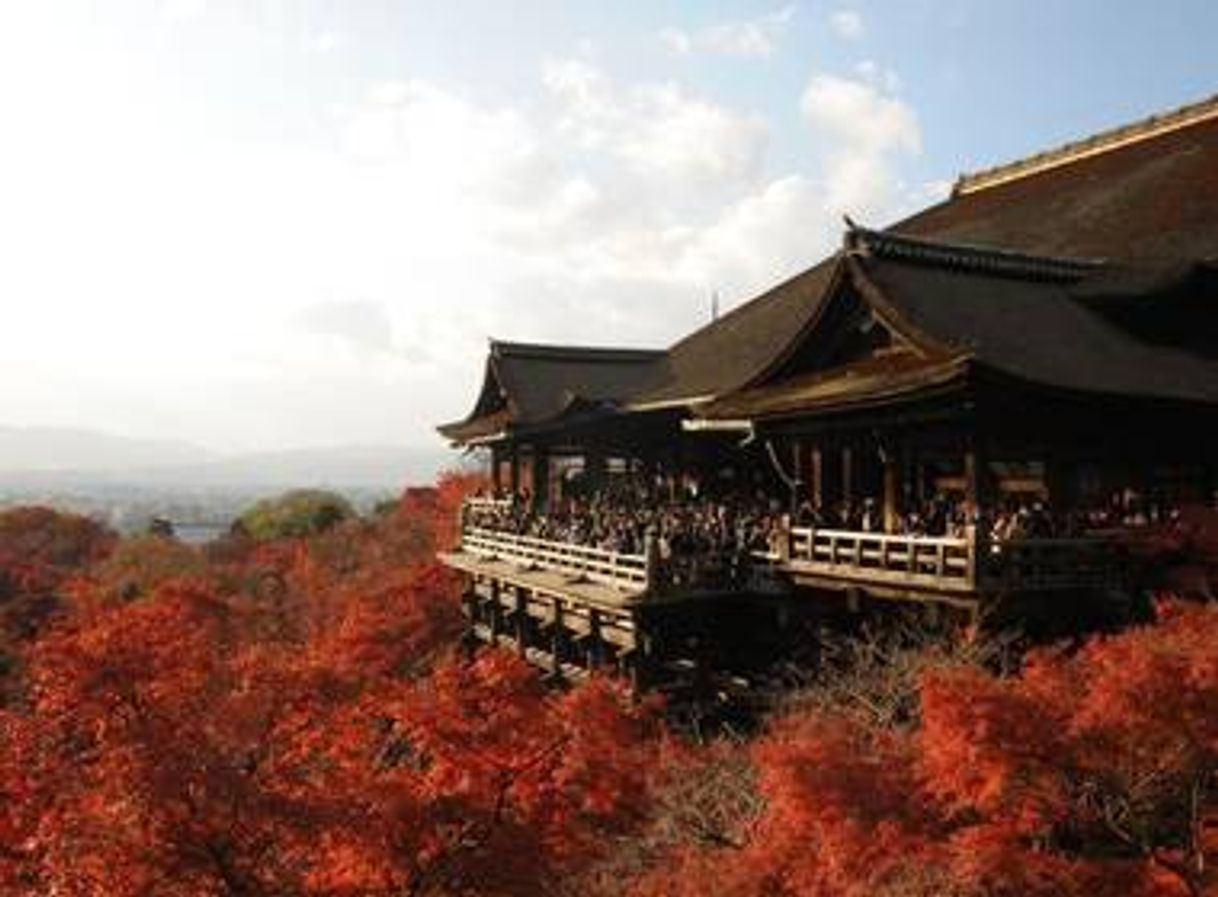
{"x": 963, "y": 566}
{"x": 915, "y": 560}
{"x": 627, "y": 572}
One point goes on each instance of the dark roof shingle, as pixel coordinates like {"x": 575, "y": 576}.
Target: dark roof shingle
{"x": 537, "y": 383}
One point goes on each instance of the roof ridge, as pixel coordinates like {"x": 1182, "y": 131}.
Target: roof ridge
{"x": 991, "y": 260}
{"x": 563, "y": 351}
{"x": 1101, "y": 142}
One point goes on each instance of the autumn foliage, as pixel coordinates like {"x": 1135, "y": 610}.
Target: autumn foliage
{"x": 297, "y": 717}
{"x": 1089, "y": 773}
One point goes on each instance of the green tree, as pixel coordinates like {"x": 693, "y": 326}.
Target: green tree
{"x": 301, "y": 512}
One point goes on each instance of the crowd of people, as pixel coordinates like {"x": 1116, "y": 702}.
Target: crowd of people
{"x": 626, "y": 519}
{"x": 626, "y": 522}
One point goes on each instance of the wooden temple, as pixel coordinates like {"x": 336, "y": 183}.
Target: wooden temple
{"x": 1047, "y": 334}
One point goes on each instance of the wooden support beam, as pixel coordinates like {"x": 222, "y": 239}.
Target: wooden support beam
{"x": 848, "y": 474}
{"x": 514, "y": 470}
{"x": 891, "y": 498}
{"x": 799, "y": 489}
{"x": 557, "y": 637}
{"x": 595, "y": 469}
{"x": 817, "y": 477}
{"x": 596, "y": 643}
{"x": 496, "y": 613}
{"x": 541, "y": 477}
{"x": 977, "y": 486}
{"x": 522, "y": 620}
{"x": 496, "y": 469}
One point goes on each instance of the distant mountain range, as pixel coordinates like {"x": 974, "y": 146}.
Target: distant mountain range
{"x": 47, "y": 456}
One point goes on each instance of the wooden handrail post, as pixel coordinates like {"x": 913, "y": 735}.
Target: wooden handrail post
{"x": 784, "y": 538}
{"x": 651, "y": 550}
{"x": 557, "y": 637}
{"x": 971, "y": 554}
{"x": 521, "y": 621}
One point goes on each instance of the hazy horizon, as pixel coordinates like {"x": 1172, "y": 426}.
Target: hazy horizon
{"x": 254, "y": 226}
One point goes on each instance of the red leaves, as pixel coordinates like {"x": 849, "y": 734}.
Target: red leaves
{"x": 1090, "y": 773}
{"x": 294, "y": 721}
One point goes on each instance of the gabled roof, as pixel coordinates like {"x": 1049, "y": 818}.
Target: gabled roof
{"x": 1060, "y": 323}
{"x": 1039, "y": 330}
{"x": 1146, "y": 194}
{"x": 527, "y": 384}
{"x": 1142, "y": 199}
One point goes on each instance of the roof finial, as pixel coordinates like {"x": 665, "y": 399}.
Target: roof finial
{"x": 852, "y": 240}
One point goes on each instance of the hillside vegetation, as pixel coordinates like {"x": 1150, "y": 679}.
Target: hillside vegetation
{"x": 294, "y": 715}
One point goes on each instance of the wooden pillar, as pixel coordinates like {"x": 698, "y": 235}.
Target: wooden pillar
{"x": 799, "y": 489}
{"x": 541, "y": 477}
{"x": 514, "y": 470}
{"x": 595, "y": 647}
{"x": 557, "y": 637}
{"x": 1060, "y": 478}
{"x": 496, "y": 473}
{"x": 848, "y": 474}
{"x": 521, "y": 621}
{"x": 977, "y": 486}
{"x": 595, "y": 469}
{"x": 891, "y": 499}
{"x": 643, "y": 667}
{"x": 496, "y": 612}
{"x": 817, "y": 477}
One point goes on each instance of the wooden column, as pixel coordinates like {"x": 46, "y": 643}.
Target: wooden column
{"x": 817, "y": 477}
{"x": 977, "y": 486}
{"x": 514, "y": 470}
{"x": 541, "y": 477}
{"x": 891, "y": 497}
{"x": 557, "y": 637}
{"x": 595, "y": 647}
{"x": 799, "y": 489}
{"x": 1060, "y": 477}
{"x": 496, "y": 473}
{"x": 848, "y": 474}
{"x": 595, "y": 469}
{"x": 521, "y": 621}
{"x": 496, "y": 613}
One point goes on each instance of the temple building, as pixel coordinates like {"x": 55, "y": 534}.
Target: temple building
{"x": 1034, "y": 359}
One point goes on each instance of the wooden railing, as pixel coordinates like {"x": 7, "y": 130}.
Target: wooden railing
{"x": 481, "y": 503}
{"x": 917, "y": 560}
{"x": 627, "y": 572}
{"x": 960, "y": 565}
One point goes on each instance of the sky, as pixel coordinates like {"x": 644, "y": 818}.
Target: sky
{"x": 267, "y": 224}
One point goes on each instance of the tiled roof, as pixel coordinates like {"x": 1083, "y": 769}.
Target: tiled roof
{"x": 529, "y": 383}
{"x": 1103, "y": 142}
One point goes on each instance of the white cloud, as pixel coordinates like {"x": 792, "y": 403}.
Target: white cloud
{"x": 879, "y": 76}
{"x": 860, "y": 131}
{"x": 848, "y": 23}
{"x": 760, "y": 239}
{"x": 182, "y": 10}
{"x": 677, "y": 41}
{"x": 246, "y": 293}
{"x": 754, "y": 38}
{"x": 363, "y": 326}
{"x": 859, "y": 116}
{"x": 659, "y": 130}
{"x": 323, "y": 43}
